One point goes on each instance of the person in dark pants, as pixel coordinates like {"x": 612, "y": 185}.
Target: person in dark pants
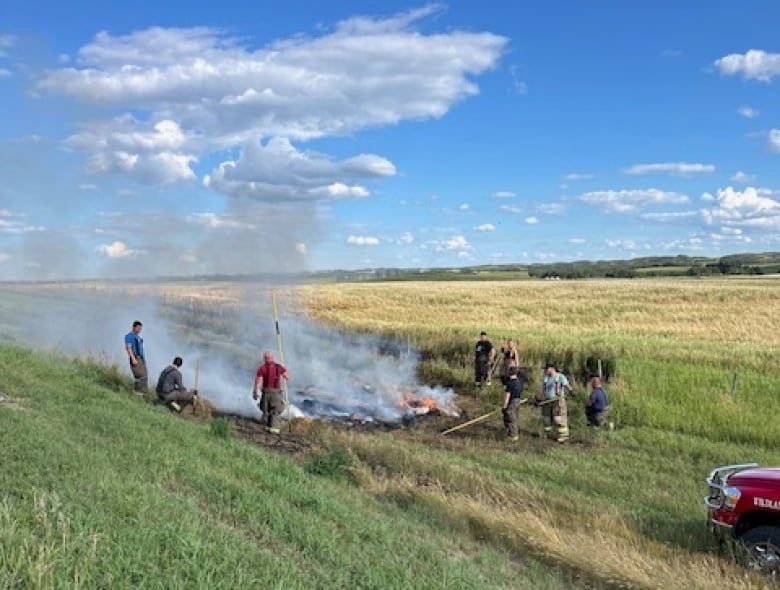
{"x": 483, "y": 357}
{"x": 134, "y": 346}
{"x": 512, "y": 399}
{"x": 269, "y": 382}
{"x": 597, "y": 404}
{"x": 171, "y": 390}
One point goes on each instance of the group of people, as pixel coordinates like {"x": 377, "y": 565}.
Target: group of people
{"x": 172, "y": 392}
{"x": 551, "y": 397}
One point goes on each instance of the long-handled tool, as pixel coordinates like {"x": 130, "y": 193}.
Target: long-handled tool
{"x": 197, "y": 380}
{"x": 469, "y": 423}
{"x": 283, "y": 383}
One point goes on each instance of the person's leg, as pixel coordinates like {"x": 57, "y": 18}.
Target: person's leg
{"x": 547, "y": 419}
{"x": 274, "y": 409}
{"x": 140, "y": 376}
{"x": 513, "y": 410}
{"x": 561, "y": 418}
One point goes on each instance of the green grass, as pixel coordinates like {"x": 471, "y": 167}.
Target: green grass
{"x": 102, "y": 490}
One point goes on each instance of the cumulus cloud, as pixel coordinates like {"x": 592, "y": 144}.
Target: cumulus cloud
{"x": 363, "y": 241}
{"x": 752, "y": 207}
{"x": 748, "y": 112}
{"x": 219, "y": 221}
{"x": 464, "y": 207}
{"x": 673, "y": 168}
{"x": 149, "y": 153}
{"x": 278, "y": 170}
{"x": 742, "y": 177}
{"x": 485, "y": 227}
{"x": 510, "y": 209}
{"x": 623, "y": 244}
{"x": 456, "y": 243}
{"x": 754, "y": 64}
{"x": 362, "y": 73}
{"x": 628, "y": 201}
{"x": 531, "y": 220}
{"x": 300, "y": 248}
{"x": 504, "y": 194}
{"x": 577, "y": 240}
{"x": 117, "y": 250}
{"x": 669, "y": 216}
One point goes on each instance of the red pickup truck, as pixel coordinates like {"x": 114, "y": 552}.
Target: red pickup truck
{"x": 743, "y": 504}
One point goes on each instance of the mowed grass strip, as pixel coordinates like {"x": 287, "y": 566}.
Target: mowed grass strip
{"x": 101, "y": 490}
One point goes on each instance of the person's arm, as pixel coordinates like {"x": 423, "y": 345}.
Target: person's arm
{"x": 590, "y": 400}
{"x": 284, "y": 375}
{"x": 492, "y": 353}
{"x": 177, "y": 381}
{"x": 129, "y": 349}
{"x": 506, "y": 399}
{"x": 258, "y": 384}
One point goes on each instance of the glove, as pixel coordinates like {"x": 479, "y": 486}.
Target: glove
{"x": 254, "y": 395}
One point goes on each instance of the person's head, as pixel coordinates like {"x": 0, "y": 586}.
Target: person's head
{"x": 510, "y": 344}
{"x": 483, "y": 335}
{"x": 137, "y": 327}
{"x": 268, "y": 357}
{"x": 177, "y": 362}
{"x": 595, "y": 383}
{"x": 549, "y": 368}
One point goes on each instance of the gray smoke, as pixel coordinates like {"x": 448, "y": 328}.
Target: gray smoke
{"x": 333, "y": 375}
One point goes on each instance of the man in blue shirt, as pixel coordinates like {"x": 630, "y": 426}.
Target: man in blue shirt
{"x": 134, "y": 346}
{"x": 597, "y": 405}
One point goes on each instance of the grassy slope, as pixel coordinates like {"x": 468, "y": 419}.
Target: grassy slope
{"x": 100, "y": 490}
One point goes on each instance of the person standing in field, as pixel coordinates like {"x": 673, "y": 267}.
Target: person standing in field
{"x": 170, "y": 388}
{"x": 512, "y": 398}
{"x": 597, "y": 404}
{"x": 483, "y": 358}
{"x": 269, "y": 382}
{"x": 552, "y": 398}
{"x": 134, "y": 346}
{"x": 511, "y": 359}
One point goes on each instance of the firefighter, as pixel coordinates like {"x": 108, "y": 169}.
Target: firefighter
{"x": 484, "y": 353}
{"x": 511, "y": 407}
{"x": 269, "y": 382}
{"x": 170, "y": 389}
{"x": 552, "y": 399}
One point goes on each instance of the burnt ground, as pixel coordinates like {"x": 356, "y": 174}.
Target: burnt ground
{"x": 304, "y": 435}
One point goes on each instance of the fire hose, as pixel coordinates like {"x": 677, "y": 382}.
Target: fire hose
{"x": 489, "y": 414}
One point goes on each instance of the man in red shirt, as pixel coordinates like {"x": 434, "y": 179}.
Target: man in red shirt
{"x": 269, "y": 382}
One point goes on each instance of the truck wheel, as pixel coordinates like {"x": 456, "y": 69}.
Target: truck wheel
{"x": 761, "y": 547}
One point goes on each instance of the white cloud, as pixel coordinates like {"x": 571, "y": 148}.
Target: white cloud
{"x": 754, "y": 64}
{"x": 300, "y": 248}
{"x": 485, "y": 227}
{"x": 278, "y": 170}
{"x": 86, "y": 186}
{"x": 510, "y": 209}
{"x": 673, "y": 168}
{"x": 504, "y": 194}
{"x": 456, "y": 243}
{"x": 406, "y": 238}
{"x": 464, "y": 207}
{"x": 577, "y": 240}
{"x": 551, "y": 208}
{"x": 628, "y": 201}
{"x": 188, "y": 258}
{"x": 574, "y": 176}
{"x": 362, "y": 73}
{"x": 11, "y": 223}
{"x": 622, "y": 244}
{"x": 5, "y": 257}
{"x": 752, "y": 207}
{"x": 669, "y": 216}
{"x": 7, "y": 41}
{"x": 363, "y": 241}
{"x": 774, "y": 140}
{"x": 742, "y": 177}
{"x": 531, "y": 220}
{"x": 5, "y": 73}
{"x": 748, "y": 112}
{"x": 147, "y": 153}
{"x": 117, "y": 250}
{"x": 218, "y": 221}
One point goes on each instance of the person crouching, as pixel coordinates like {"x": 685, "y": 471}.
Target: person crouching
{"x": 170, "y": 389}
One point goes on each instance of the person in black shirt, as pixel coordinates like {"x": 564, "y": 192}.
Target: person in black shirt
{"x": 171, "y": 390}
{"x": 483, "y": 357}
{"x": 512, "y": 398}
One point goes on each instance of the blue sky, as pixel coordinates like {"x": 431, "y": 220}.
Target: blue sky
{"x": 181, "y": 138}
